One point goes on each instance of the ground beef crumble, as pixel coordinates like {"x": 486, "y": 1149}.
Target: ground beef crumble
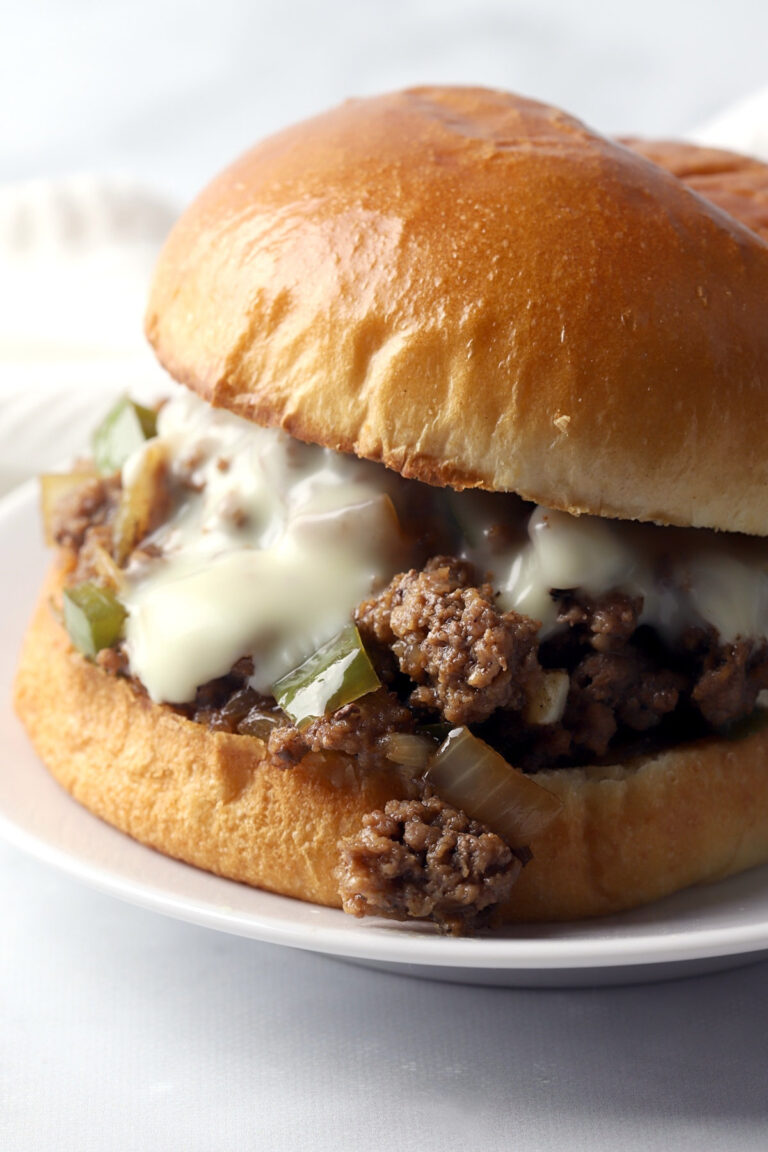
{"x": 87, "y": 506}
{"x": 424, "y": 860}
{"x": 113, "y": 660}
{"x": 466, "y": 658}
{"x": 358, "y": 729}
{"x": 731, "y": 677}
{"x": 229, "y": 704}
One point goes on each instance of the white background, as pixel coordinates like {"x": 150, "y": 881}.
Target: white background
{"x": 121, "y": 1030}
{"x": 170, "y": 90}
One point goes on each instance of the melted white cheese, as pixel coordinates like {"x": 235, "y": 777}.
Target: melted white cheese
{"x": 275, "y": 542}
{"x": 686, "y": 577}
{"x": 267, "y": 558}
{"x": 564, "y": 552}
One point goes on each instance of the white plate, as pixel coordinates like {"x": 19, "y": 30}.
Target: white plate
{"x": 703, "y": 929}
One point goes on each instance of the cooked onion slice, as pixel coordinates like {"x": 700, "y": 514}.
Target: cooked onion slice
{"x": 408, "y": 749}
{"x": 546, "y": 697}
{"x": 145, "y": 500}
{"x": 108, "y": 574}
{"x": 336, "y": 674}
{"x": 467, "y": 773}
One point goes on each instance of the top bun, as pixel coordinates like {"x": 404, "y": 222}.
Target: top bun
{"x": 477, "y": 290}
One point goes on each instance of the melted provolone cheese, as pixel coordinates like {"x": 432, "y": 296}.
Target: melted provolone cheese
{"x": 267, "y": 554}
{"x": 273, "y": 543}
{"x": 685, "y": 577}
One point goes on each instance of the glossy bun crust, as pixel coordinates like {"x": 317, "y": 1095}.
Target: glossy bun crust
{"x": 627, "y": 835}
{"x": 477, "y": 290}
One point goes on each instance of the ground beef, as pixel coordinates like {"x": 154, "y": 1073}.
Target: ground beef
{"x": 113, "y": 660}
{"x": 89, "y": 504}
{"x": 374, "y": 617}
{"x": 621, "y": 683}
{"x": 466, "y": 657}
{"x": 606, "y": 624}
{"x": 611, "y": 689}
{"x": 422, "y": 859}
{"x": 213, "y": 696}
{"x": 620, "y": 677}
{"x": 245, "y": 712}
{"x": 229, "y": 704}
{"x": 730, "y": 679}
{"x": 359, "y": 729}
{"x": 443, "y": 633}
{"x": 624, "y": 680}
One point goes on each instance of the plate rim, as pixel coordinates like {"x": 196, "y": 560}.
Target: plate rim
{"x": 389, "y": 943}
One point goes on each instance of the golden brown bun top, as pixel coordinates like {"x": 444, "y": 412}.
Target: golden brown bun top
{"x": 479, "y": 291}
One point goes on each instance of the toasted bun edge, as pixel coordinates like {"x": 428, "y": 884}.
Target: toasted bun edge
{"x": 627, "y": 835}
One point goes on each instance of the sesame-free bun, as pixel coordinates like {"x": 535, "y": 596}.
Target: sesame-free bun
{"x": 477, "y": 290}
{"x": 210, "y": 798}
{"x": 627, "y": 834}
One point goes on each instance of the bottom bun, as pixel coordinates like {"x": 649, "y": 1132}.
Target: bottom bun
{"x": 627, "y": 834}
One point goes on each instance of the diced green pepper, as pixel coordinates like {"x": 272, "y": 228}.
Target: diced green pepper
{"x": 121, "y": 432}
{"x": 336, "y": 674}
{"x": 93, "y": 617}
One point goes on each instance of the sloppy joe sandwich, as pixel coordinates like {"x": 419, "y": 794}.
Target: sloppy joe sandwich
{"x": 438, "y": 586}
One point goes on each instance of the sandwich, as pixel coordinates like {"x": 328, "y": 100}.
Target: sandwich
{"x": 437, "y": 588}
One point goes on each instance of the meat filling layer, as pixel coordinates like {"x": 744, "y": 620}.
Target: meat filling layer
{"x": 547, "y": 676}
{"x": 447, "y": 654}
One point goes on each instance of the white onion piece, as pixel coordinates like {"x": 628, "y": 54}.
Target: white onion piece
{"x": 408, "y": 749}
{"x": 144, "y": 500}
{"x": 469, "y": 774}
{"x": 546, "y": 697}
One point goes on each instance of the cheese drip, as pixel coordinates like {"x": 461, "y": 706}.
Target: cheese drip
{"x": 275, "y": 542}
{"x": 686, "y": 577}
{"x": 267, "y": 554}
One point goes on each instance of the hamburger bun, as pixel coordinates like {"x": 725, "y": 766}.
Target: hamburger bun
{"x": 735, "y": 183}
{"x": 476, "y": 291}
{"x": 627, "y": 834}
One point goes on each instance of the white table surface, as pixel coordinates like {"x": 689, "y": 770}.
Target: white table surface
{"x": 123, "y": 1030}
